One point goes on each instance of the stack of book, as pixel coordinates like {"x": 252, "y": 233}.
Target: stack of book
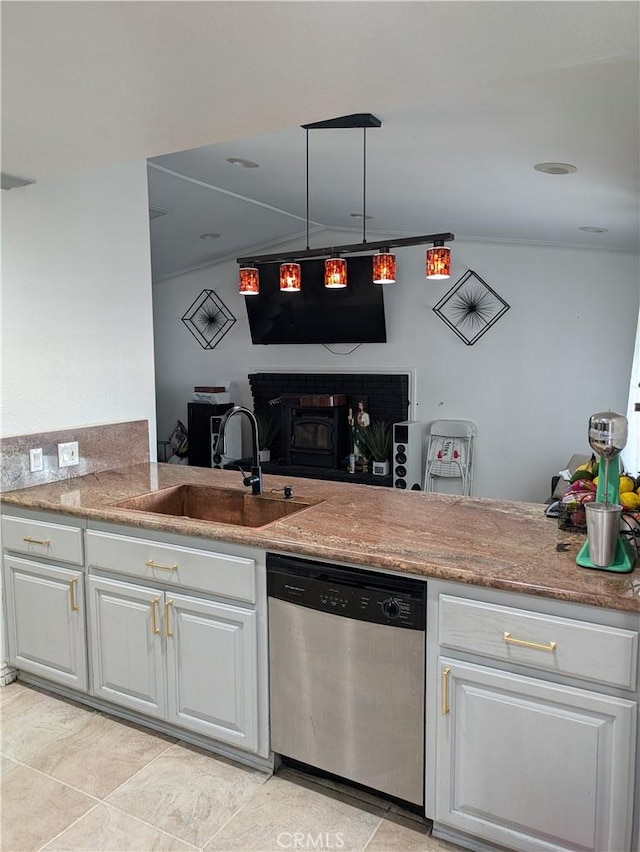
{"x": 214, "y": 395}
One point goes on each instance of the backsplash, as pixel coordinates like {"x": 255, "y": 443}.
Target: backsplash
{"x": 102, "y": 447}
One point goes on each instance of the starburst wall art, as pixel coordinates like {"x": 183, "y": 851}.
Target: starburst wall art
{"x": 208, "y": 319}
{"x": 471, "y": 307}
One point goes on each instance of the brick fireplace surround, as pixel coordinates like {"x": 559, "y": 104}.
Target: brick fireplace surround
{"x": 387, "y": 396}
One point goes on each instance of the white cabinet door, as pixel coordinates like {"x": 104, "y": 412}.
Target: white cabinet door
{"x": 127, "y": 645}
{"x": 533, "y": 765}
{"x": 212, "y": 669}
{"x": 46, "y": 620}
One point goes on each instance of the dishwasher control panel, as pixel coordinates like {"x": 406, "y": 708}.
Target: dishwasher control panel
{"x": 379, "y": 600}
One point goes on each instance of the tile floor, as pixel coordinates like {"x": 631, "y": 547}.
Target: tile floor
{"x": 76, "y": 779}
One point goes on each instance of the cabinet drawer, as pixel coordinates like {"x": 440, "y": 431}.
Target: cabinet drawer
{"x": 36, "y": 538}
{"x": 218, "y": 573}
{"x": 592, "y": 652}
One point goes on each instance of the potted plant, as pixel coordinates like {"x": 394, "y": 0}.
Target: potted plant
{"x": 268, "y": 433}
{"x": 377, "y": 439}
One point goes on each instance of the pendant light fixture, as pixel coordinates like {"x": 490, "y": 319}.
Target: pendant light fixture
{"x": 248, "y": 281}
{"x": 335, "y": 273}
{"x": 290, "y": 277}
{"x": 384, "y": 268}
{"x": 438, "y": 261}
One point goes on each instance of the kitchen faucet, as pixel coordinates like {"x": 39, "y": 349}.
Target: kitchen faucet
{"x": 255, "y": 477}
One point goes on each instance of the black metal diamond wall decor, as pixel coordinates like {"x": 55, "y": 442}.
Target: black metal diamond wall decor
{"x": 471, "y": 307}
{"x": 208, "y": 319}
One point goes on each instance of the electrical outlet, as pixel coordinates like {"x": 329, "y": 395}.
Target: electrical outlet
{"x": 68, "y": 454}
{"x": 36, "y": 460}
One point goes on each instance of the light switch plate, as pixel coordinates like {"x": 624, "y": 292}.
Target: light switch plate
{"x": 68, "y": 454}
{"x": 36, "y": 460}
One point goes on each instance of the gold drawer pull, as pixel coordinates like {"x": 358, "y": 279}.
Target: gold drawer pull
{"x": 167, "y": 629}
{"x": 551, "y": 646}
{"x": 444, "y": 689}
{"x": 154, "y": 623}
{"x": 72, "y": 595}
{"x": 151, "y": 564}
{"x": 30, "y": 540}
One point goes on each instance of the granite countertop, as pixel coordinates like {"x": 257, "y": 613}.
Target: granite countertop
{"x": 492, "y": 543}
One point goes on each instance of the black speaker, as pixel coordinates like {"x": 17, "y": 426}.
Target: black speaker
{"x": 199, "y": 429}
{"x": 407, "y": 455}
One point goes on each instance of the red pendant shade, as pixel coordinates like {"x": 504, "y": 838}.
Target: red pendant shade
{"x": 290, "y": 277}
{"x": 438, "y": 262}
{"x": 383, "y": 265}
{"x": 335, "y": 272}
{"x": 384, "y": 268}
{"x": 249, "y": 281}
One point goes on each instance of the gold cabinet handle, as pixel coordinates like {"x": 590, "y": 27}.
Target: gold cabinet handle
{"x": 508, "y": 638}
{"x": 444, "y": 690}
{"x": 72, "y": 595}
{"x": 154, "y": 622}
{"x": 44, "y": 542}
{"x": 167, "y": 629}
{"x": 151, "y": 564}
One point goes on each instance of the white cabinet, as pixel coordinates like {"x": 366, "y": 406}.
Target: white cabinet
{"x": 184, "y": 658}
{"x": 212, "y": 669}
{"x": 173, "y": 632}
{"x": 45, "y": 620}
{"x": 127, "y": 649}
{"x": 532, "y": 715}
{"x": 533, "y": 765}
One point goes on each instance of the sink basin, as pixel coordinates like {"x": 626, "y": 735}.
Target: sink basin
{"x": 220, "y": 505}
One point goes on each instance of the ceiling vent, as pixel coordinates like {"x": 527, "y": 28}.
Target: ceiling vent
{"x": 155, "y": 212}
{"x": 12, "y": 182}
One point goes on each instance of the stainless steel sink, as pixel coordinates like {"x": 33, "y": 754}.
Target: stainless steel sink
{"x": 219, "y": 505}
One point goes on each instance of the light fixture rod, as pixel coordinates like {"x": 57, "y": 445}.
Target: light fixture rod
{"x": 307, "y": 132}
{"x": 364, "y": 184}
{"x": 352, "y": 248}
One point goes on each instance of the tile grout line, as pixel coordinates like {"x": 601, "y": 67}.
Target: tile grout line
{"x": 66, "y": 783}
{"x": 58, "y": 781}
{"x": 97, "y": 801}
{"x": 137, "y": 772}
{"x": 144, "y": 822}
{"x": 6, "y": 701}
{"x": 373, "y": 834}
{"x": 67, "y": 827}
{"x": 235, "y": 813}
{"x": 148, "y": 824}
{"x": 129, "y": 816}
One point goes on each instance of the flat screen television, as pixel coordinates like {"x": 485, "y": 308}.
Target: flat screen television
{"x": 316, "y": 314}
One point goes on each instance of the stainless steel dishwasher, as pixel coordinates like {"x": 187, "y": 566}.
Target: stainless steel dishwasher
{"x": 347, "y": 672}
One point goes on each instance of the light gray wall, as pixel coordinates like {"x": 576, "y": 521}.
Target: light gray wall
{"x": 77, "y": 331}
{"x": 563, "y": 351}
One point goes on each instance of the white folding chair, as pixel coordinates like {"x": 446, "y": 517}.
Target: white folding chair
{"x": 450, "y": 454}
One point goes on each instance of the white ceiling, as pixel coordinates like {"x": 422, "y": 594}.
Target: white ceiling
{"x": 471, "y": 95}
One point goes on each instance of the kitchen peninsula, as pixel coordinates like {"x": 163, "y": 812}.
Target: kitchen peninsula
{"x": 516, "y": 631}
{"x": 491, "y": 543}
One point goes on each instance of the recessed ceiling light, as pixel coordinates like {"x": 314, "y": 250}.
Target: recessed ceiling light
{"x": 209, "y": 236}
{"x": 589, "y": 230}
{"x": 555, "y": 168}
{"x": 359, "y": 216}
{"x": 244, "y": 164}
